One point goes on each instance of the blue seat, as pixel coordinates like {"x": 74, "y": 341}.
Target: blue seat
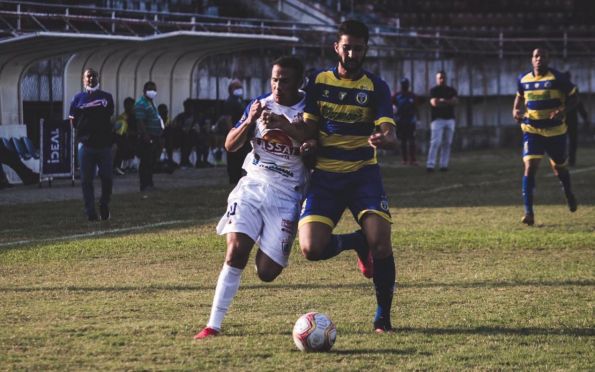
{"x": 20, "y": 148}
{"x": 30, "y": 147}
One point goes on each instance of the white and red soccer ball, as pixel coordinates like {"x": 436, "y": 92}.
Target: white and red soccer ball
{"x": 314, "y": 332}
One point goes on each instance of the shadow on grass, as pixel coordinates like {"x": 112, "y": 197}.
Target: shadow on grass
{"x": 307, "y": 286}
{"x": 489, "y": 331}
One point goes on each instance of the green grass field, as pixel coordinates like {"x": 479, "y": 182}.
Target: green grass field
{"x": 477, "y": 290}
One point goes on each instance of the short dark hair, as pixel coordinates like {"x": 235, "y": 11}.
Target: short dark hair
{"x": 355, "y": 28}
{"x": 148, "y": 84}
{"x": 291, "y": 62}
{"x": 543, "y": 49}
{"x": 441, "y": 72}
{"x": 128, "y": 101}
{"x": 91, "y": 70}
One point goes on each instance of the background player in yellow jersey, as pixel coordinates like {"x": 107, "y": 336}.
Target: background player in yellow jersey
{"x": 544, "y": 95}
{"x": 350, "y": 110}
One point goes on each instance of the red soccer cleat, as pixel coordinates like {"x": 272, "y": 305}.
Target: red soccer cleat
{"x": 206, "y": 332}
{"x": 366, "y": 264}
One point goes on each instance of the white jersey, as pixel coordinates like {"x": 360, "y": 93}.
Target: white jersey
{"x": 275, "y": 157}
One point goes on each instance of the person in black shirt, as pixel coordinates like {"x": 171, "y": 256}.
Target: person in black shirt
{"x": 90, "y": 113}
{"x": 442, "y": 101}
{"x": 572, "y": 124}
{"x": 231, "y": 113}
{"x": 406, "y": 117}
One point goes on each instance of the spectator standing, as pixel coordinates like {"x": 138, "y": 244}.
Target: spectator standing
{"x": 121, "y": 128}
{"x": 149, "y": 126}
{"x": 90, "y": 113}
{"x": 406, "y": 118}
{"x": 443, "y": 99}
{"x": 231, "y": 113}
{"x": 184, "y": 123}
{"x": 572, "y": 114}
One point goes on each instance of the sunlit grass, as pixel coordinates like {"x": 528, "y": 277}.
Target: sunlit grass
{"x": 476, "y": 289}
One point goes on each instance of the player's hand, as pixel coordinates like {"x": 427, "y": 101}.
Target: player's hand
{"x": 274, "y": 121}
{"x": 255, "y": 112}
{"x": 557, "y": 114}
{"x": 308, "y": 151}
{"x": 381, "y": 140}
{"x": 308, "y": 146}
{"x": 516, "y": 114}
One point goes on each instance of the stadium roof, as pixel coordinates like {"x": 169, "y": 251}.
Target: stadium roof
{"x": 127, "y": 52}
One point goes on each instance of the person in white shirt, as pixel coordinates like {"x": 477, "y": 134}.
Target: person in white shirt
{"x": 264, "y": 206}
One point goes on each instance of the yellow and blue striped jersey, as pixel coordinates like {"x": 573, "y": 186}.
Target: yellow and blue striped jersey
{"x": 347, "y": 113}
{"x": 543, "y": 95}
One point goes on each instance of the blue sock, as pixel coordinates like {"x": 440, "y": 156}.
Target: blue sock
{"x": 528, "y": 186}
{"x": 343, "y": 242}
{"x": 564, "y": 177}
{"x": 384, "y": 283}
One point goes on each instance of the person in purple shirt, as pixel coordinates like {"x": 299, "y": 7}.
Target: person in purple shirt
{"x": 90, "y": 113}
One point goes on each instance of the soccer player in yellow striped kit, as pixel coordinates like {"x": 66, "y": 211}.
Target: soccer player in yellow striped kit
{"x": 544, "y": 95}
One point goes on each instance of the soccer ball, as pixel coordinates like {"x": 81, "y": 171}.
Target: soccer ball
{"x": 314, "y": 332}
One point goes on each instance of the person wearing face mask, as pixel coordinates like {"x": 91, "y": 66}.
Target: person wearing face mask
{"x": 231, "y": 113}
{"x": 90, "y": 114}
{"x": 149, "y": 127}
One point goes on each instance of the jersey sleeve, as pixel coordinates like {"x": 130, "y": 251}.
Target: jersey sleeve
{"x": 384, "y": 109}
{"x": 520, "y": 91}
{"x": 244, "y": 115}
{"x": 311, "y": 109}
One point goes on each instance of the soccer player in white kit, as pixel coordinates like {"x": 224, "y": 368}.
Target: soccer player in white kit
{"x": 264, "y": 206}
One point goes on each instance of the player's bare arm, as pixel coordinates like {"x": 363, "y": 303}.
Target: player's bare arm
{"x": 237, "y": 136}
{"x": 385, "y": 138}
{"x": 517, "y": 108}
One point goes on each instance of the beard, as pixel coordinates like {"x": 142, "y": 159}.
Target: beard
{"x": 351, "y": 65}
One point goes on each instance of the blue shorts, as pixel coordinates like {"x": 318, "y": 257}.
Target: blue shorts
{"x": 535, "y": 146}
{"x": 330, "y": 193}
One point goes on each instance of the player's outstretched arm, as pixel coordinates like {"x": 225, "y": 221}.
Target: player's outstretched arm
{"x": 237, "y": 136}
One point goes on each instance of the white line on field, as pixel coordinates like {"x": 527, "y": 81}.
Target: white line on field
{"x": 94, "y": 233}
{"x": 484, "y": 183}
{"x": 575, "y": 171}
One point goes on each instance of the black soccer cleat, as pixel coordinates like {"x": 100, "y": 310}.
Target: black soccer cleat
{"x": 572, "y": 205}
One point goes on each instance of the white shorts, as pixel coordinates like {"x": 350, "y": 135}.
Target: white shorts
{"x": 266, "y": 215}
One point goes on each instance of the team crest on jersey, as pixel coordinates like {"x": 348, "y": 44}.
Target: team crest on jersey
{"x": 325, "y": 93}
{"x": 361, "y": 98}
{"x": 536, "y": 85}
{"x": 527, "y": 86}
{"x": 342, "y": 95}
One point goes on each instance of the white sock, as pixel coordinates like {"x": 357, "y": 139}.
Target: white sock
{"x": 227, "y": 287}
